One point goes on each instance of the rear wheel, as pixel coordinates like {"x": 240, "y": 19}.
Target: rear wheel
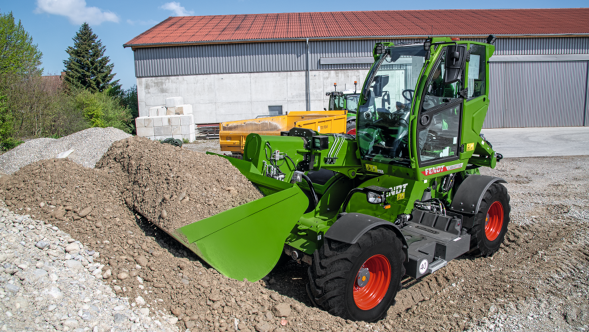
{"x": 358, "y": 281}
{"x": 490, "y": 224}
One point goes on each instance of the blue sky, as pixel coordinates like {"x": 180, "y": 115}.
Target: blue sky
{"x": 53, "y": 23}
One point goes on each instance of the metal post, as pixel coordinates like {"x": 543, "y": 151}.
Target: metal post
{"x": 308, "y": 80}
{"x": 585, "y": 110}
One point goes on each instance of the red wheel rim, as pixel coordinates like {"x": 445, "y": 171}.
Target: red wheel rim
{"x": 494, "y": 221}
{"x": 352, "y": 131}
{"x": 372, "y": 293}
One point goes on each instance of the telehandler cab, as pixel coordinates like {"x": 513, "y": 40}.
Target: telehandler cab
{"x": 402, "y": 197}
{"x": 345, "y": 100}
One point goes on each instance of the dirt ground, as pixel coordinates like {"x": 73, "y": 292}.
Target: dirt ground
{"x": 545, "y": 257}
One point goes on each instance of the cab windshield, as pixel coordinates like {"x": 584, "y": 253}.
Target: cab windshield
{"x": 352, "y": 103}
{"x": 383, "y": 119}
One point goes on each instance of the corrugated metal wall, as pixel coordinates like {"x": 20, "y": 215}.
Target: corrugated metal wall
{"x": 220, "y": 59}
{"x": 537, "y": 94}
{"x": 523, "y": 94}
{"x": 291, "y": 56}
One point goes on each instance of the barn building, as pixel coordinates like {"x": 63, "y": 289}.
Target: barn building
{"x": 233, "y": 67}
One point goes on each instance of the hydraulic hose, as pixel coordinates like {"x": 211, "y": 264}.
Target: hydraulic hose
{"x": 315, "y": 199}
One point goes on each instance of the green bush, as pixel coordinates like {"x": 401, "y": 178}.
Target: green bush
{"x": 10, "y": 143}
{"x": 6, "y": 127}
{"x": 102, "y": 110}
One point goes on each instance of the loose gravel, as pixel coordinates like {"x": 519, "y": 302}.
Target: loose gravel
{"x": 88, "y": 147}
{"x": 51, "y": 282}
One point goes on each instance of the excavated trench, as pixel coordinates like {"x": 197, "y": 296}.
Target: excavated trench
{"x": 118, "y": 209}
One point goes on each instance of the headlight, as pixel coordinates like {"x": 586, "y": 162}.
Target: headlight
{"x": 374, "y": 198}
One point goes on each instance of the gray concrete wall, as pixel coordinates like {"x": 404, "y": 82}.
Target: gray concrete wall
{"x": 227, "y": 97}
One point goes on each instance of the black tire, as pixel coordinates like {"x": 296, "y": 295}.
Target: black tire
{"x": 487, "y": 242}
{"x": 350, "y": 125}
{"x": 332, "y": 276}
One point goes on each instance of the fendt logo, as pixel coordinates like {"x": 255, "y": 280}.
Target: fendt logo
{"x": 440, "y": 169}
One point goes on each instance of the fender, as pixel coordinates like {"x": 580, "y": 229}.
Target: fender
{"x": 469, "y": 195}
{"x": 351, "y": 226}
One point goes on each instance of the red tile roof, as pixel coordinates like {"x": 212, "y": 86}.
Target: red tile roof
{"x": 375, "y": 24}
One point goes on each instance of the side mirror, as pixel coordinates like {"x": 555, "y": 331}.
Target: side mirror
{"x": 455, "y": 61}
{"x": 426, "y": 47}
{"x": 379, "y": 83}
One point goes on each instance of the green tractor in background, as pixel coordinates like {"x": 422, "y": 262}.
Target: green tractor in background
{"x": 345, "y": 100}
{"x": 402, "y": 197}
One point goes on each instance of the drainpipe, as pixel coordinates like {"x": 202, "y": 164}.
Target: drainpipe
{"x": 308, "y": 80}
{"x": 585, "y": 110}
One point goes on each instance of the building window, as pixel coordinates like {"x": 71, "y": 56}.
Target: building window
{"x": 275, "y": 110}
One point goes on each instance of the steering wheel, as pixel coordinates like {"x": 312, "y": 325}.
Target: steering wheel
{"x": 410, "y": 93}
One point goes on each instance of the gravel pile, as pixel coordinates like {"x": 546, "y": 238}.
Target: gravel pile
{"x": 51, "y": 282}
{"x": 173, "y": 187}
{"x": 88, "y": 147}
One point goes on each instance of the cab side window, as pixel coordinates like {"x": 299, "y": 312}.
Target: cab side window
{"x": 477, "y": 72}
{"x": 438, "y": 92}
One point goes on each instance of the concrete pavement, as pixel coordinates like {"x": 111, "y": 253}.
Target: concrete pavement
{"x": 539, "y": 142}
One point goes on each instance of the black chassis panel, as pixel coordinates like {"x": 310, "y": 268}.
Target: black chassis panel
{"x": 431, "y": 244}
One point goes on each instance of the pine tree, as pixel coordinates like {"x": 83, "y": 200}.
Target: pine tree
{"x": 87, "y": 67}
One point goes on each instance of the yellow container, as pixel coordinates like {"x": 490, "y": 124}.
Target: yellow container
{"x": 232, "y": 134}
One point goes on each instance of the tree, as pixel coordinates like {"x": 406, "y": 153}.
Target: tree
{"x": 87, "y": 67}
{"x": 18, "y": 54}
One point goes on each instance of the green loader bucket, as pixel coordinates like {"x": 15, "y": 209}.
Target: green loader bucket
{"x": 246, "y": 242}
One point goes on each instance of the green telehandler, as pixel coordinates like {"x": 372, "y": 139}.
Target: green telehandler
{"x": 345, "y": 100}
{"x": 402, "y": 197}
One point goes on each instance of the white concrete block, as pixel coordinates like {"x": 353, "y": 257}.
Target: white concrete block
{"x": 139, "y": 122}
{"x": 145, "y": 132}
{"x": 178, "y": 136}
{"x": 157, "y": 121}
{"x": 174, "y": 101}
{"x": 185, "y": 130}
{"x": 175, "y": 120}
{"x": 153, "y": 111}
{"x": 160, "y": 138}
{"x": 161, "y": 111}
{"x": 184, "y": 109}
{"x": 147, "y": 122}
{"x": 171, "y": 111}
{"x": 176, "y": 130}
{"x": 186, "y": 120}
{"x": 163, "y": 131}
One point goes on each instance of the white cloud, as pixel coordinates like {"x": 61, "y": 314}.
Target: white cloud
{"x": 76, "y": 11}
{"x": 142, "y": 22}
{"x": 177, "y": 9}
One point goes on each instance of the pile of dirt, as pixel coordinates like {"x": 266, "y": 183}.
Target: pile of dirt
{"x": 173, "y": 187}
{"x": 545, "y": 253}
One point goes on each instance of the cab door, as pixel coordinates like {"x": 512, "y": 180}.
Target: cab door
{"x": 440, "y": 114}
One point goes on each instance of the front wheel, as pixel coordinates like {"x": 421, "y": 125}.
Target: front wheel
{"x": 490, "y": 224}
{"x": 358, "y": 281}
